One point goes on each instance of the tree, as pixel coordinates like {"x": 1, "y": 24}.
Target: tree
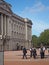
{"x": 34, "y": 40}
{"x": 44, "y": 37}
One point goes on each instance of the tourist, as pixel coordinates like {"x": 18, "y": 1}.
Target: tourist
{"x": 34, "y": 53}
{"x": 31, "y": 52}
{"x": 24, "y": 53}
{"x": 48, "y": 51}
{"x": 42, "y": 53}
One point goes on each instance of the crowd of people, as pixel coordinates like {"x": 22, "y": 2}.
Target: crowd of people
{"x": 33, "y": 52}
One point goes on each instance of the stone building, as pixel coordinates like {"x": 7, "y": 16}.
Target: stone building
{"x": 15, "y": 31}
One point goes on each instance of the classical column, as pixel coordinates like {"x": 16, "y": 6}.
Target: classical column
{"x": 5, "y": 24}
{"x": 26, "y": 30}
{"x": 2, "y": 24}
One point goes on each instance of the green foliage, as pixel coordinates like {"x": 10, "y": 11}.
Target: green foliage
{"x": 34, "y": 40}
{"x": 43, "y": 38}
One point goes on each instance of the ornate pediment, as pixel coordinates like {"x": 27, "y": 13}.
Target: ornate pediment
{"x": 4, "y": 5}
{"x": 1, "y": 0}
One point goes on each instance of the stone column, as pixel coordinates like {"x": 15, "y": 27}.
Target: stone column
{"x": 5, "y": 24}
{"x": 26, "y": 30}
{"x": 2, "y": 24}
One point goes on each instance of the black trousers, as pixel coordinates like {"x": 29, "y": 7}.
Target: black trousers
{"x": 42, "y": 55}
{"x": 24, "y": 55}
{"x": 31, "y": 54}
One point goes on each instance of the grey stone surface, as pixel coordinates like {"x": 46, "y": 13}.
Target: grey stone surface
{"x": 13, "y": 29}
{"x": 1, "y": 58}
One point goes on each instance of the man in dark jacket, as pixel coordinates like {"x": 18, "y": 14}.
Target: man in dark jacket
{"x": 34, "y": 53}
{"x": 24, "y": 53}
{"x": 42, "y": 53}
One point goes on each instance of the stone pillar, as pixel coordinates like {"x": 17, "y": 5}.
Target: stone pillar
{"x": 2, "y": 24}
{"x": 26, "y": 30}
{"x": 5, "y": 24}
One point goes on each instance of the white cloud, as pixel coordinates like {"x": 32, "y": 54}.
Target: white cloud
{"x": 38, "y": 7}
{"x": 39, "y": 26}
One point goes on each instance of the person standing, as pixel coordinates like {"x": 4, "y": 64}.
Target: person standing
{"x": 24, "y": 53}
{"x": 34, "y": 53}
{"x": 31, "y": 52}
{"x": 42, "y": 53}
{"x": 48, "y": 51}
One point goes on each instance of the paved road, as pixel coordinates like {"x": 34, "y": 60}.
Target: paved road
{"x": 15, "y": 58}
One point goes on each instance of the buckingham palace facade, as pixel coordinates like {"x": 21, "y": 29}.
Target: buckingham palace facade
{"x": 15, "y": 31}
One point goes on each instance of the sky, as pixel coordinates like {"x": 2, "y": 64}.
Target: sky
{"x": 35, "y": 10}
